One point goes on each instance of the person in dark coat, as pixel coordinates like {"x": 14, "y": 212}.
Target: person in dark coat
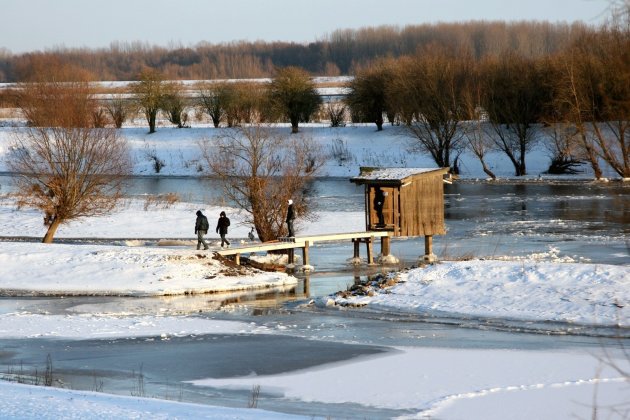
{"x": 222, "y": 228}
{"x": 290, "y": 218}
{"x": 201, "y": 228}
{"x": 379, "y": 202}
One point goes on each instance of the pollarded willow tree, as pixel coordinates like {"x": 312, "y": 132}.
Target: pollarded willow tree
{"x": 293, "y": 95}
{"x": 367, "y": 93}
{"x": 68, "y": 172}
{"x": 262, "y": 169}
{"x": 593, "y": 93}
{"x": 65, "y": 166}
{"x": 517, "y": 95}
{"x": 174, "y": 104}
{"x": 427, "y": 92}
{"x": 149, "y": 91}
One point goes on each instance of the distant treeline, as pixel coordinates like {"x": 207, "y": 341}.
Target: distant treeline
{"x": 339, "y": 53}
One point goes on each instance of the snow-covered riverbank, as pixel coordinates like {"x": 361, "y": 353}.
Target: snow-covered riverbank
{"x": 421, "y": 381}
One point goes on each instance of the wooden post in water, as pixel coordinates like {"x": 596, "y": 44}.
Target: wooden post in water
{"x": 429, "y": 256}
{"x": 370, "y": 257}
{"x": 356, "y": 243}
{"x": 385, "y": 246}
{"x": 305, "y": 254}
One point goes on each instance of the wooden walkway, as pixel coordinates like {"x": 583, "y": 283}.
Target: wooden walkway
{"x": 304, "y": 242}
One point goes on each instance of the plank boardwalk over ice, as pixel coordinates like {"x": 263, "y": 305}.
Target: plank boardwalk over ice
{"x": 304, "y": 242}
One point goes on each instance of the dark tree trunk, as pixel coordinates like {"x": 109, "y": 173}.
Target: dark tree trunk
{"x": 50, "y": 233}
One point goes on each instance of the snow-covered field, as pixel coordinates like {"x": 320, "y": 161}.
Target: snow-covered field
{"x": 445, "y": 383}
{"x": 350, "y": 147}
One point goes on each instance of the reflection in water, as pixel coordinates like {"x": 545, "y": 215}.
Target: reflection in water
{"x": 182, "y": 304}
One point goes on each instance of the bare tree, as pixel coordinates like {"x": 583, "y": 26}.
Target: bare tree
{"x": 562, "y": 144}
{"x": 572, "y": 101}
{"x": 213, "y": 100}
{"x": 118, "y": 109}
{"x": 261, "y": 170}
{"x": 68, "y": 172}
{"x": 517, "y": 94}
{"x": 367, "y": 96}
{"x": 149, "y": 91}
{"x": 613, "y": 133}
{"x": 174, "y": 104}
{"x": 593, "y": 93}
{"x": 430, "y": 91}
{"x": 475, "y": 129}
{"x": 336, "y": 113}
{"x": 41, "y": 103}
{"x": 293, "y": 94}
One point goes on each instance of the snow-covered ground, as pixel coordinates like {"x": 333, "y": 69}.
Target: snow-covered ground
{"x": 445, "y": 383}
{"x": 350, "y": 147}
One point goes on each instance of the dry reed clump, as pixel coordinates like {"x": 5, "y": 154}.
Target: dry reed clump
{"x": 161, "y": 201}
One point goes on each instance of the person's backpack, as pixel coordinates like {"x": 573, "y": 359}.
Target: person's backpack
{"x": 204, "y": 225}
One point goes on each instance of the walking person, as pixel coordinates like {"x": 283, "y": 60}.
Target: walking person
{"x": 290, "y": 219}
{"x": 201, "y": 229}
{"x": 222, "y": 228}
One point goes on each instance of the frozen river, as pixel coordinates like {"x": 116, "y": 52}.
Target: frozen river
{"x": 572, "y": 221}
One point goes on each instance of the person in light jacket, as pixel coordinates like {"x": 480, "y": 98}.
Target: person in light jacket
{"x": 222, "y": 228}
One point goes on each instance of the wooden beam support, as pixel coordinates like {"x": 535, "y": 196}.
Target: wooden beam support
{"x": 428, "y": 245}
{"x": 370, "y": 256}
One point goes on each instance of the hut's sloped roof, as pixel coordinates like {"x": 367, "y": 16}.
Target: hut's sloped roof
{"x": 391, "y": 175}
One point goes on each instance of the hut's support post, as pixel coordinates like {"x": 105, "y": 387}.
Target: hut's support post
{"x": 369, "y": 243}
{"x": 356, "y": 243}
{"x": 305, "y": 254}
{"x": 291, "y": 255}
{"x": 429, "y": 256}
{"x": 385, "y": 246}
{"x": 307, "y": 285}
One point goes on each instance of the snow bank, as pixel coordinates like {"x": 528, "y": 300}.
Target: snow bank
{"x": 37, "y": 402}
{"x": 35, "y": 268}
{"x": 434, "y": 382}
{"x": 594, "y": 294}
{"x": 23, "y": 324}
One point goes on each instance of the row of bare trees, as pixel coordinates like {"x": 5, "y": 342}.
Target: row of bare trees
{"x": 448, "y": 101}
{"x": 70, "y": 165}
{"x": 290, "y": 96}
{"x": 339, "y": 52}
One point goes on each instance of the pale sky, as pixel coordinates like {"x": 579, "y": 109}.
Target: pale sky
{"x": 29, "y": 25}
